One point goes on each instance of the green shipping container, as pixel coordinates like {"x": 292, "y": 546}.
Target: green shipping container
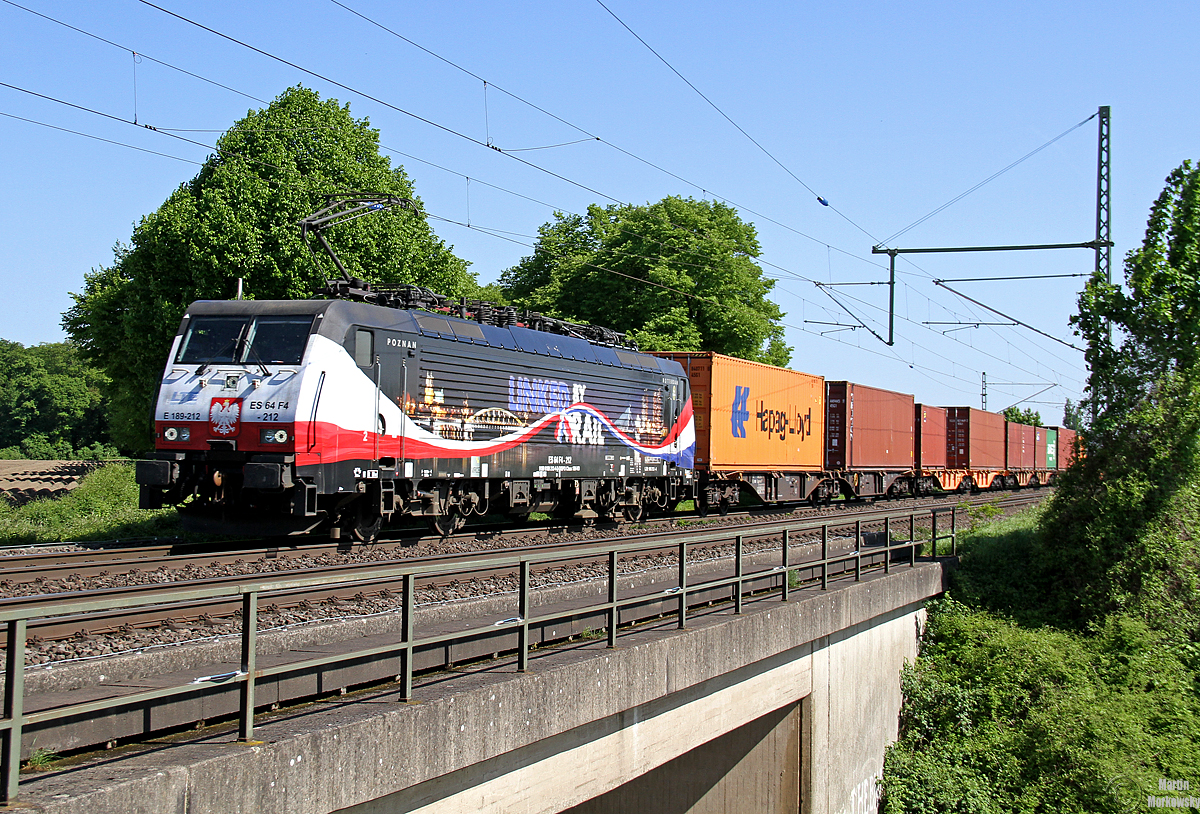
{"x": 1051, "y": 448}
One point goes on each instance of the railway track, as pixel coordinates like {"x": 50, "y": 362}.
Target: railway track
{"x": 330, "y": 590}
{"x": 33, "y": 569}
{"x": 519, "y": 598}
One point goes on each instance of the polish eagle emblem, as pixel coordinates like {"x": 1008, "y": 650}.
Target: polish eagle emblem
{"x": 223, "y": 416}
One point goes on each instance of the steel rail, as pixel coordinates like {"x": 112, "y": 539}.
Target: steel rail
{"x": 249, "y": 591}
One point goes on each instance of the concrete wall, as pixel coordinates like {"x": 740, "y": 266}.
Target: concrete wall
{"x": 582, "y": 724}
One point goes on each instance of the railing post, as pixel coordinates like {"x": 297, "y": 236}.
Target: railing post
{"x": 912, "y": 539}
{"x": 824, "y": 556}
{"x": 737, "y": 573}
{"x": 857, "y": 550}
{"x": 408, "y": 624}
{"x": 523, "y": 635}
{"x": 887, "y": 543}
{"x": 682, "y": 585}
{"x": 249, "y": 664}
{"x": 612, "y": 599}
{"x": 14, "y": 707}
{"x": 786, "y": 562}
{"x": 933, "y": 531}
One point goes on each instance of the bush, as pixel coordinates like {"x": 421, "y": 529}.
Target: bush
{"x": 1001, "y": 718}
{"x": 102, "y": 507}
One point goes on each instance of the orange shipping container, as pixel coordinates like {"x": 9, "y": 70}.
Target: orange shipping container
{"x": 751, "y": 416}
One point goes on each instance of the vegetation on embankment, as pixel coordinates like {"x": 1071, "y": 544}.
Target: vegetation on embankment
{"x": 1064, "y": 675}
{"x": 102, "y": 507}
{"x": 1005, "y": 712}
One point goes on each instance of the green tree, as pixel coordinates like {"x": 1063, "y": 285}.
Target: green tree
{"x": 674, "y": 275}
{"x": 1121, "y": 521}
{"x": 1073, "y": 418}
{"x": 238, "y": 218}
{"x": 1027, "y": 416}
{"x": 51, "y": 402}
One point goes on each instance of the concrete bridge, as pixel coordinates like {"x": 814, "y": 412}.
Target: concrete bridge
{"x": 787, "y": 706}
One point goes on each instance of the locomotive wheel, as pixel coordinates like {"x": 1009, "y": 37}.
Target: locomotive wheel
{"x": 366, "y": 527}
{"x": 446, "y": 524}
{"x": 635, "y": 514}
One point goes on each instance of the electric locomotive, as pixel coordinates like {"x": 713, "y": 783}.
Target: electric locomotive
{"x": 290, "y": 416}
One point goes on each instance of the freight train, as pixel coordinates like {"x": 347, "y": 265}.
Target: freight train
{"x": 341, "y": 413}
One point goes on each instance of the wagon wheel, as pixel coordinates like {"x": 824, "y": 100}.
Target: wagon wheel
{"x": 444, "y": 525}
{"x": 723, "y": 507}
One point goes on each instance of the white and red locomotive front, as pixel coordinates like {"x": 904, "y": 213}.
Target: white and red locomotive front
{"x": 281, "y": 416}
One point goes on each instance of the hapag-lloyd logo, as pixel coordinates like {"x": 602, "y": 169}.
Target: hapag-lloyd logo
{"x": 775, "y": 423}
{"x": 224, "y": 416}
{"x": 741, "y": 410}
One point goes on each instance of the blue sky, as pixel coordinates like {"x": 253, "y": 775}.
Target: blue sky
{"x": 887, "y": 110}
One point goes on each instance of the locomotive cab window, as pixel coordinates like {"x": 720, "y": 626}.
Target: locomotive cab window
{"x": 277, "y": 340}
{"x": 364, "y": 348}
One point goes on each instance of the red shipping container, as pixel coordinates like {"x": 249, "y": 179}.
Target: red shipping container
{"x": 930, "y": 441}
{"x": 974, "y": 439}
{"x": 867, "y": 428}
{"x": 1066, "y": 447}
{"x": 1039, "y": 448}
{"x": 1019, "y": 449}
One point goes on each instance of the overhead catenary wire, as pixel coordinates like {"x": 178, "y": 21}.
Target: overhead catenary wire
{"x": 989, "y": 179}
{"x": 210, "y": 147}
{"x": 820, "y": 199}
{"x": 704, "y": 191}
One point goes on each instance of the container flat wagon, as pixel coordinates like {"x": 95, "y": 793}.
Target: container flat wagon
{"x": 1025, "y": 456}
{"x": 975, "y": 450}
{"x": 758, "y": 427}
{"x": 869, "y": 439}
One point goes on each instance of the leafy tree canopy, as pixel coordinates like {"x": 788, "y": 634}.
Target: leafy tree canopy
{"x": 1073, "y": 417}
{"x": 1121, "y": 521}
{"x": 675, "y": 275}
{"x": 1026, "y": 416}
{"x": 51, "y": 404}
{"x": 239, "y": 218}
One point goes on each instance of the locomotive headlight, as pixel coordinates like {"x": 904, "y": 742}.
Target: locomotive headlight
{"x": 184, "y": 433}
{"x": 269, "y": 436}
{"x": 171, "y": 434}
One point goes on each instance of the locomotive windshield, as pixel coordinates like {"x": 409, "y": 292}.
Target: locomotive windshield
{"x": 267, "y": 340}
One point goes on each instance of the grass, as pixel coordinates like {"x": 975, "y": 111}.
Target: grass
{"x": 102, "y": 507}
{"x": 41, "y": 759}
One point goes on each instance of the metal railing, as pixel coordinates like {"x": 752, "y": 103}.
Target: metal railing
{"x": 742, "y": 582}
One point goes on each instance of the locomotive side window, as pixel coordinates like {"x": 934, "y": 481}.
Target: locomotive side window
{"x": 364, "y": 348}
{"x": 245, "y": 340}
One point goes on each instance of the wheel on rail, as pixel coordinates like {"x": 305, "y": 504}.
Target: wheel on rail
{"x": 635, "y": 514}
{"x": 723, "y": 507}
{"x": 367, "y": 531}
{"x": 365, "y": 526}
{"x": 444, "y": 525}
